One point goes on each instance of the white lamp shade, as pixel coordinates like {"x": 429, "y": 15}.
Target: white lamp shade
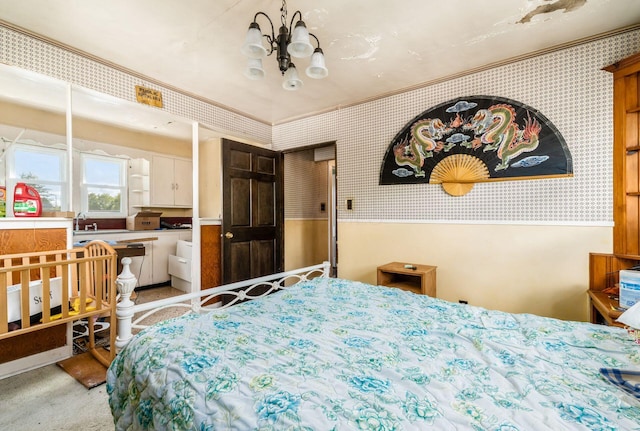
{"x": 317, "y": 68}
{"x": 254, "y": 69}
{"x": 253, "y": 47}
{"x": 291, "y": 80}
{"x": 300, "y": 46}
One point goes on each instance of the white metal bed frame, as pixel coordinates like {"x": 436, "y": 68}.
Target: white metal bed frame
{"x": 194, "y": 302}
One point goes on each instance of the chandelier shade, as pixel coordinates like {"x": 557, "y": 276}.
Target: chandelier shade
{"x": 253, "y": 47}
{"x": 289, "y": 42}
{"x": 254, "y": 69}
{"x": 300, "y": 46}
{"x": 317, "y": 68}
{"x": 291, "y": 79}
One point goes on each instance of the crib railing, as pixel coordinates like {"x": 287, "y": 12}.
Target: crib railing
{"x": 48, "y": 288}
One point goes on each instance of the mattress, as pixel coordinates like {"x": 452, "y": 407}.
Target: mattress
{"x": 331, "y": 354}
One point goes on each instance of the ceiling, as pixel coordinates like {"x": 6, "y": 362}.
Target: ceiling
{"x": 373, "y": 48}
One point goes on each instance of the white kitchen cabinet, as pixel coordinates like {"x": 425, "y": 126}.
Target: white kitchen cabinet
{"x": 153, "y": 267}
{"x": 171, "y": 182}
{"x": 142, "y": 266}
{"x": 183, "y": 174}
{"x": 162, "y": 248}
{"x": 180, "y": 266}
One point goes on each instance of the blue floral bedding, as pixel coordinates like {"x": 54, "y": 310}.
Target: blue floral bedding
{"x": 331, "y": 354}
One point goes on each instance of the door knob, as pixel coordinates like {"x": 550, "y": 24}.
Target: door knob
{"x": 228, "y": 235}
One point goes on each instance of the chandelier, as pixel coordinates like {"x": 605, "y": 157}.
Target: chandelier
{"x": 287, "y": 44}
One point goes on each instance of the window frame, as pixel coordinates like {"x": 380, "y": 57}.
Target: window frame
{"x": 12, "y": 178}
{"x": 85, "y": 186}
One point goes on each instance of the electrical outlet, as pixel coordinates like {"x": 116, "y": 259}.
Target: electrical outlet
{"x": 350, "y": 204}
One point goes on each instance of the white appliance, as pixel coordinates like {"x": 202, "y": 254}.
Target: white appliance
{"x": 180, "y": 266}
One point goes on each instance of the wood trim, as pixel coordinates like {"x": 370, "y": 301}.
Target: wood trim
{"x": 210, "y": 252}
{"x": 309, "y": 147}
{"x": 625, "y": 66}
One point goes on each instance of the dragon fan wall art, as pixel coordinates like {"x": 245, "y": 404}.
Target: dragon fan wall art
{"x": 476, "y": 139}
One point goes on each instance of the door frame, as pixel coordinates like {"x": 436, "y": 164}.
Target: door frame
{"x": 332, "y": 204}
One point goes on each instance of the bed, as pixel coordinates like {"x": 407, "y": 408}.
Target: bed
{"x": 332, "y": 354}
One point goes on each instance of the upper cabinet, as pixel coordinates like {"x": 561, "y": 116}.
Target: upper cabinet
{"x": 626, "y": 156}
{"x": 171, "y": 182}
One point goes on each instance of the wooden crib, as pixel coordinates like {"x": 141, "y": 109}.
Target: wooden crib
{"x": 81, "y": 285}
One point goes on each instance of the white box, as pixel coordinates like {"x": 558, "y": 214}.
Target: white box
{"x": 35, "y": 298}
{"x": 629, "y": 287}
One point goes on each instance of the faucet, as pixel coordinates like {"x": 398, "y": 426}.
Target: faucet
{"x": 78, "y": 217}
{"x": 93, "y": 225}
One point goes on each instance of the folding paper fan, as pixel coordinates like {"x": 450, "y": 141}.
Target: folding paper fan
{"x": 474, "y": 139}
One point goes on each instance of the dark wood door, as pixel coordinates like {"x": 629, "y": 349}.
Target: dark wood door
{"x": 253, "y": 212}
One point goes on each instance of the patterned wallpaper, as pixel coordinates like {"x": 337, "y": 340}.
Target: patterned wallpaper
{"x": 17, "y": 49}
{"x": 566, "y": 86}
{"x": 306, "y": 185}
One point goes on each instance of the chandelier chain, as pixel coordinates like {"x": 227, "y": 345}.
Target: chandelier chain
{"x": 283, "y": 15}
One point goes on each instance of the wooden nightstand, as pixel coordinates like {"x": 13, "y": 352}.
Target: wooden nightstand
{"x": 422, "y": 279}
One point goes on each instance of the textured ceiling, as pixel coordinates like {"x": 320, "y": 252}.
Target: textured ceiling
{"x": 372, "y": 47}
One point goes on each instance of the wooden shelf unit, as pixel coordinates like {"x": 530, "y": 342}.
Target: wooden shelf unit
{"x": 604, "y": 268}
{"x": 626, "y": 155}
{"x": 421, "y": 280}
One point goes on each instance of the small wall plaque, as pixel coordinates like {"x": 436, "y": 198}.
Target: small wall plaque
{"x": 148, "y": 96}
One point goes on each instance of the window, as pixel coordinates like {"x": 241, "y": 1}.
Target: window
{"x": 103, "y": 186}
{"x": 43, "y": 168}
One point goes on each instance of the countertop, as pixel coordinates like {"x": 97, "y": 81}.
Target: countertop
{"x": 111, "y": 231}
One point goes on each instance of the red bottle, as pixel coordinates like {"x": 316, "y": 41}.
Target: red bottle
{"x": 26, "y": 201}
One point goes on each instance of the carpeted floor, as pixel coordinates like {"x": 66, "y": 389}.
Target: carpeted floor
{"x": 50, "y": 399}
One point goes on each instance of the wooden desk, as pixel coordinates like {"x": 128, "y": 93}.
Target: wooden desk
{"x": 124, "y": 251}
{"x": 604, "y": 273}
{"x": 604, "y": 309}
{"x": 422, "y": 279}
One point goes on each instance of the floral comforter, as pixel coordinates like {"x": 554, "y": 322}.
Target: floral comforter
{"x": 331, "y": 354}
